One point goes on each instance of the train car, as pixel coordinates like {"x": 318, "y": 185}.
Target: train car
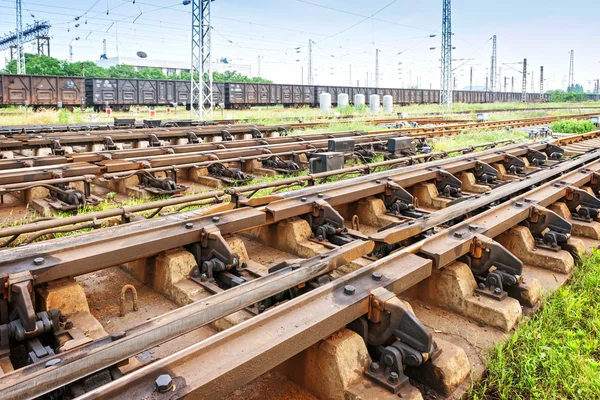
{"x": 42, "y": 91}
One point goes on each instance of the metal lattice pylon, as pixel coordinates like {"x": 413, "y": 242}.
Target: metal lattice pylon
{"x": 201, "y": 81}
{"x": 493, "y": 69}
{"x": 571, "y": 69}
{"x": 446, "y": 75}
{"x": 20, "y": 50}
{"x": 524, "y": 92}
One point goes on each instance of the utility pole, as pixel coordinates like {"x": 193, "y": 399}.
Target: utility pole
{"x": 446, "y": 68}
{"x": 302, "y": 75}
{"x": 259, "y": 66}
{"x": 201, "y": 81}
{"x": 471, "y": 80}
{"x": 376, "y": 68}
{"x": 512, "y": 84}
{"x": 505, "y": 82}
{"x": 532, "y": 82}
{"x": 20, "y": 50}
{"x": 453, "y": 84}
{"x": 571, "y": 69}
{"x": 487, "y": 83}
{"x": 542, "y": 79}
{"x": 524, "y": 92}
{"x": 493, "y": 68}
{"x": 70, "y": 53}
{"x": 310, "y": 66}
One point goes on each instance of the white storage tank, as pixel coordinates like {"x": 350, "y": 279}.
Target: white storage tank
{"x": 359, "y": 100}
{"x": 388, "y": 103}
{"x": 325, "y": 102}
{"x": 374, "y": 103}
{"x": 342, "y": 100}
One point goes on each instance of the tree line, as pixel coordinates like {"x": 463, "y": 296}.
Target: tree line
{"x": 44, "y": 65}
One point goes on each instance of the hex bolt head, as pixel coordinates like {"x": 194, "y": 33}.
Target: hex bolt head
{"x": 189, "y": 225}
{"x": 519, "y": 204}
{"x": 163, "y": 383}
{"x": 38, "y": 261}
{"x": 482, "y": 285}
{"x": 68, "y": 324}
{"x": 215, "y": 219}
{"x": 377, "y": 181}
{"x": 303, "y": 199}
{"x": 320, "y": 195}
{"x": 393, "y": 378}
{"x": 473, "y": 227}
{"x": 497, "y": 290}
{"x": 203, "y": 277}
{"x": 52, "y": 363}
{"x": 377, "y": 276}
{"x": 349, "y": 290}
{"x": 374, "y": 367}
{"x": 458, "y": 235}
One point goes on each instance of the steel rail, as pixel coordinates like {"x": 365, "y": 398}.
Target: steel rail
{"x": 221, "y": 363}
{"x": 90, "y": 358}
{"x": 35, "y": 380}
{"x": 127, "y": 210}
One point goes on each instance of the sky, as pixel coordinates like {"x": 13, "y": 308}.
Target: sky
{"x": 346, "y": 35}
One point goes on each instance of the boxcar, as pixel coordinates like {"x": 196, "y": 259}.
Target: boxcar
{"x": 42, "y": 91}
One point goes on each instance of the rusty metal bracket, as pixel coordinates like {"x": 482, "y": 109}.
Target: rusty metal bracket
{"x": 486, "y": 253}
{"x": 448, "y": 185}
{"x": 390, "y": 320}
{"x": 160, "y": 186}
{"x": 326, "y": 223}
{"x": 277, "y": 164}
{"x": 554, "y": 152}
{"x": 484, "y": 173}
{"x": 226, "y": 136}
{"x": 536, "y": 158}
{"x": 582, "y": 204}
{"x": 256, "y": 134}
{"x": 213, "y": 255}
{"x": 513, "y": 165}
{"x": 19, "y": 292}
{"x": 192, "y": 138}
{"x": 397, "y": 200}
{"x": 549, "y": 230}
{"x": 109, "y": 144}
{"x": 153, "y": 140}
{"x": 227, "y": 174}
{"x": 57, "y": 149}
{"x": 595, "y": 182}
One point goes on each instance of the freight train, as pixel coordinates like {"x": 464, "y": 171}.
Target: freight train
{"x": 122, "y": 94}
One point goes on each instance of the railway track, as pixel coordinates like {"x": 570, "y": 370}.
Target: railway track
{"x": 470, "y": 238}
{"x": 130, "y": 124}
{"x": 64, "y": 181}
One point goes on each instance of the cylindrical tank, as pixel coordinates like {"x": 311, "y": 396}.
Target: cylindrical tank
{"x": 359, "y": 100}
{"x": 388, "y": 103}
{"x": 342, "y": 100}
{"x": 374, "y": 103}
{"x": 325, "y": 102}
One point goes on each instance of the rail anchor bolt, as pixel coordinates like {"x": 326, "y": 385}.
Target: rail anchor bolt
{"x": 163, "y": 383}
{"x": 216, "y": 219}
{"x": 69, "y": 324}
{"x": 189, "y": 225}
{"x": 458, "y": 235}
{"x": 349, "y": 290}
{"x": 374, "y": 367}
{"x": 377, "y": 276}
{"x": 393, "y": 378}
{"x": 38, "y": 261}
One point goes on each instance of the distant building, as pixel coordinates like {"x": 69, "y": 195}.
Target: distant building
{"x": 170, "y": 67}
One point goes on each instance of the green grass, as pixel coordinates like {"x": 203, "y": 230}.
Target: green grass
{"x": 573, "y": 126}
{"x": 556, "y": 353}
{"x": 470, "y": 138}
